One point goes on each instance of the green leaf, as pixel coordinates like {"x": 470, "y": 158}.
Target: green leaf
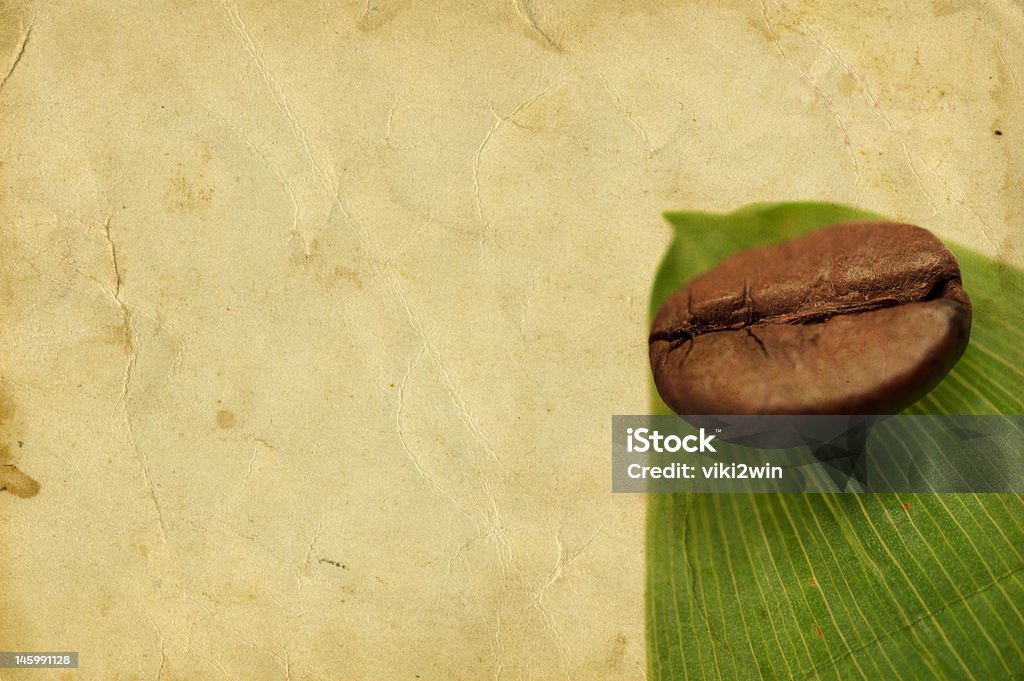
{"x": 843, "y": 586}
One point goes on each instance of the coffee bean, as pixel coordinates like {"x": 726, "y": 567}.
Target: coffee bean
{"x": 857, "y": 318}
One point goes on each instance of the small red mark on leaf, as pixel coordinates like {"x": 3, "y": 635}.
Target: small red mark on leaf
{"x": 906, "y": 507}
{"x": 813, "y": 581}
{"x": 820, "y": 635}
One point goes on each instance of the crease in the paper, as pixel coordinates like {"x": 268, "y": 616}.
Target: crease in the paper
{"x": 391, "y": 117}
{"x": 294, "y": 231}
{"x": 130, "y": 345}
{"x": 526, "y": 11}
{"x": 19, "y": 51}
{"x": 812, "y": 82}
{"x": 959, "y": 200}
{"x": 487, "y": 231}
{"x": 621, "y": 106}
{"x": 277, "y": 94}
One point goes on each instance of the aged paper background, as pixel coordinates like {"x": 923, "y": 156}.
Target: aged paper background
{"x": 313, "y": 316}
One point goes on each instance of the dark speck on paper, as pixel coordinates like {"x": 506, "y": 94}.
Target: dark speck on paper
{"x": 334, "y": 563}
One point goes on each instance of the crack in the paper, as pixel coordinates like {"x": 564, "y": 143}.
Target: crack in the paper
{"x": 526, "y": 305}
{"x": 463, "y": 411}
{"x": 128, "y": 334}
{"x": 565, "y": 559}
{"x": 621, "y": 106}
{"x": 771, "y": 31}
{"x": 407, "y": 446}
{"x": 812, "y": 82}
{"x": 958, "y": 198}
{"x": 827, "y": 101}
{"x": 805, "y": 31}
{"x": 525, "y": 11}
{"x": 130, "y": 345}
{"x": 487, "y": 236}
{"x": 1002, "y": 60}
{"x": 294, "y": 231}
{"x": 252, "y": 461}
{"x": 869, "y": 96}
{"x": 391, "y": 117}
{"x": 19, "y": 51}
{"x": 275, "y": 89}
{"x": 399, "y": 424}
{"x": 510, "y": 572}
{"x": 320, "y": 171}
{"x": 161, "y": 641}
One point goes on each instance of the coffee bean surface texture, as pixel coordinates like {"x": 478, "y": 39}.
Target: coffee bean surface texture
{"x": 856, "y": 318}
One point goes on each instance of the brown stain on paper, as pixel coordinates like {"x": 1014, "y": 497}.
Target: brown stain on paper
{"x": 187, "y": 194}
{"x": 114, "y": 335}
{"x": 12, "y": 479}
{"x": 225, "y": 419}
{"x": 6, "y": 415}
{"x": 189, "y": 189}
{"x": 16, "y": 483}
{"x": 12, "y": 628}
{"x": 617, "y": 652}
{"x": 375, "y": 14}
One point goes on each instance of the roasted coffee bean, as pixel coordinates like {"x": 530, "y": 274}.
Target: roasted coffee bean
{"x": 856, "y": 318}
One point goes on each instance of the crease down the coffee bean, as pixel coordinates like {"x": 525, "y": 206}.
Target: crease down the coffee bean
{"x": 673, "y": 336}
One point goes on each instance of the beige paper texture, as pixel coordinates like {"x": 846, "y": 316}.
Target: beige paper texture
{"x": 313, "y": 316}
